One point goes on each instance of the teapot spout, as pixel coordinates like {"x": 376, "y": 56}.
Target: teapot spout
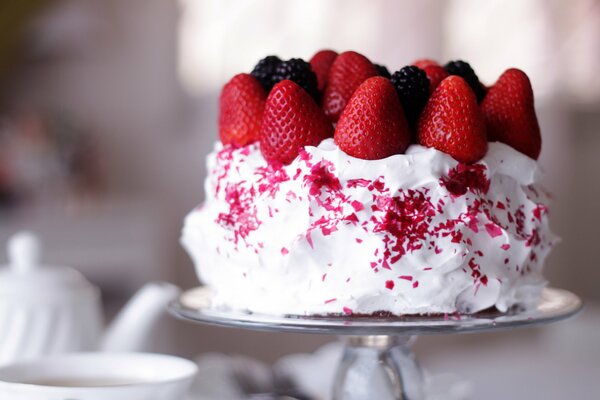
{"x": 131, "y": 327}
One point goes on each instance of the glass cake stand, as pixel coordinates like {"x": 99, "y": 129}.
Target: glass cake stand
{"x": 377, "y": 362}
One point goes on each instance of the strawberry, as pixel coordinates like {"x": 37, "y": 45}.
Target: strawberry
{"x": 373, "y": 125}
{"x": 424, "y": 62}
{"x": 509, "y": 113}
{"x": 435, "y": 74}
{"x": 452, "y": 122}
{"x": 347, "y": 72}
{"x": 434, "y": 71}
{"x": 320, "y": 64}
{"x": 241, "y": 108}
{"x": 291, "y": 121}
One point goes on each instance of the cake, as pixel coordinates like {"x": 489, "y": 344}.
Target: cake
{"x": 340, "y": 189}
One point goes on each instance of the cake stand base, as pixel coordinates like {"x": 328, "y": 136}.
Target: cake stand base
{"x": 378, "y": 362}
{"x": 378, "y": 367}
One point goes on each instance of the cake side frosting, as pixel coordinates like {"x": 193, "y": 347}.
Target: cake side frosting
{"x": 411, "y": 233}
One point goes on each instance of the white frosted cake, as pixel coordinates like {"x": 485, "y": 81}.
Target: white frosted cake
{"x": 380, "y": 220}
{"x": 416, "y": 233}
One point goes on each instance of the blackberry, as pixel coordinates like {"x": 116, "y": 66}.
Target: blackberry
{"x": 382, "y": 71}
{"x": 412, "y": 86}
{"x": 263, "y": 71}
{"x": 298, "y": 71}
{"x": 464, "y": 70}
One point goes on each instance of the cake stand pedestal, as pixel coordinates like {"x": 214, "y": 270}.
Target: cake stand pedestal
{"x": 378, "y": 362}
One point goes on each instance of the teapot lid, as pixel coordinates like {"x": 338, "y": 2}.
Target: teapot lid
{"x": 25, "y": 277}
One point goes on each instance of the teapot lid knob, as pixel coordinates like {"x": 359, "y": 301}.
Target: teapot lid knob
{"x": 24, "y": 251}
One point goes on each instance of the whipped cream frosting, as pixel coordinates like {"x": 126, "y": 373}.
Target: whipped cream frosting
{"x": 413, "y": 233}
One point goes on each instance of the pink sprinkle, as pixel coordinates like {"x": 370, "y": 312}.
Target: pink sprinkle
{"x": 309, "y": 239}
{"x": 472, "y": 224}
{"x": 245, "y": 151}
{"x": 406, "y": 277}
{"x": 373, "y": 264}
{"x": 415, "y": 284}
{"x": 437, "y": 250}
{"x": 323, "y": 277}
{"x": 328, "y": 230}
{"x": 427, "y": 269}
{"x": 378, "y": 185}
{"x": 484, "y": 280}
{"x": 330, "y": 300}
{"x": 389, "y": 285}
{"x": 359, "y": 240}
{"x": 505, "y": 246}
{"x": 284, "y": 251}
{"x": 304, "y": 156}
{"x": 538, "y": 211}
{"x": 357, "y": 205}
{"x": 386, "y": 265}
{"x": 348, "y": 280}
{"x": 347, "y": 310}
{"x": 352, "y": 218}
{"x": 493, "y": 230}
{"x": 353, "y": 183}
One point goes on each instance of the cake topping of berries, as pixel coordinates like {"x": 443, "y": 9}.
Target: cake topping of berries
{"x": 412, "y": 85}
{"x": 321, "y": 63}
{"x": 434, "y": 103}
{"x": 453, "y": 123}
{"x": 348, "y": 71}
{"x": 291, "y": 121}
{"x": 299, "y": 71}
{"x": 264, "y": 71}
{"x": 373, "y": 124}
{"x": 383, "y": 71}
{"x": 242, "y": 103}
{"x": 509, "y": 113}
{"x": 464, "y": 70}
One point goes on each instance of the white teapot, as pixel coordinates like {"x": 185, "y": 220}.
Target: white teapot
{"x": 49, "y": 310}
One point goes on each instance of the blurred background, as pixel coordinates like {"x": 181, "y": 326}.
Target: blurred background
{"x": 108, "y": 109}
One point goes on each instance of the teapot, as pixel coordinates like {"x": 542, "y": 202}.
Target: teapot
{"x": 52, "y": 309}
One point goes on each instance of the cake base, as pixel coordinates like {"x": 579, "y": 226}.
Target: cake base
{"x": 379, "y": 315}
{"x": 554, "y": 304}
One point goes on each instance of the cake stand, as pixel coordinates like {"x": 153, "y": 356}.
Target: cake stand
{"x": 377, "y": 362}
